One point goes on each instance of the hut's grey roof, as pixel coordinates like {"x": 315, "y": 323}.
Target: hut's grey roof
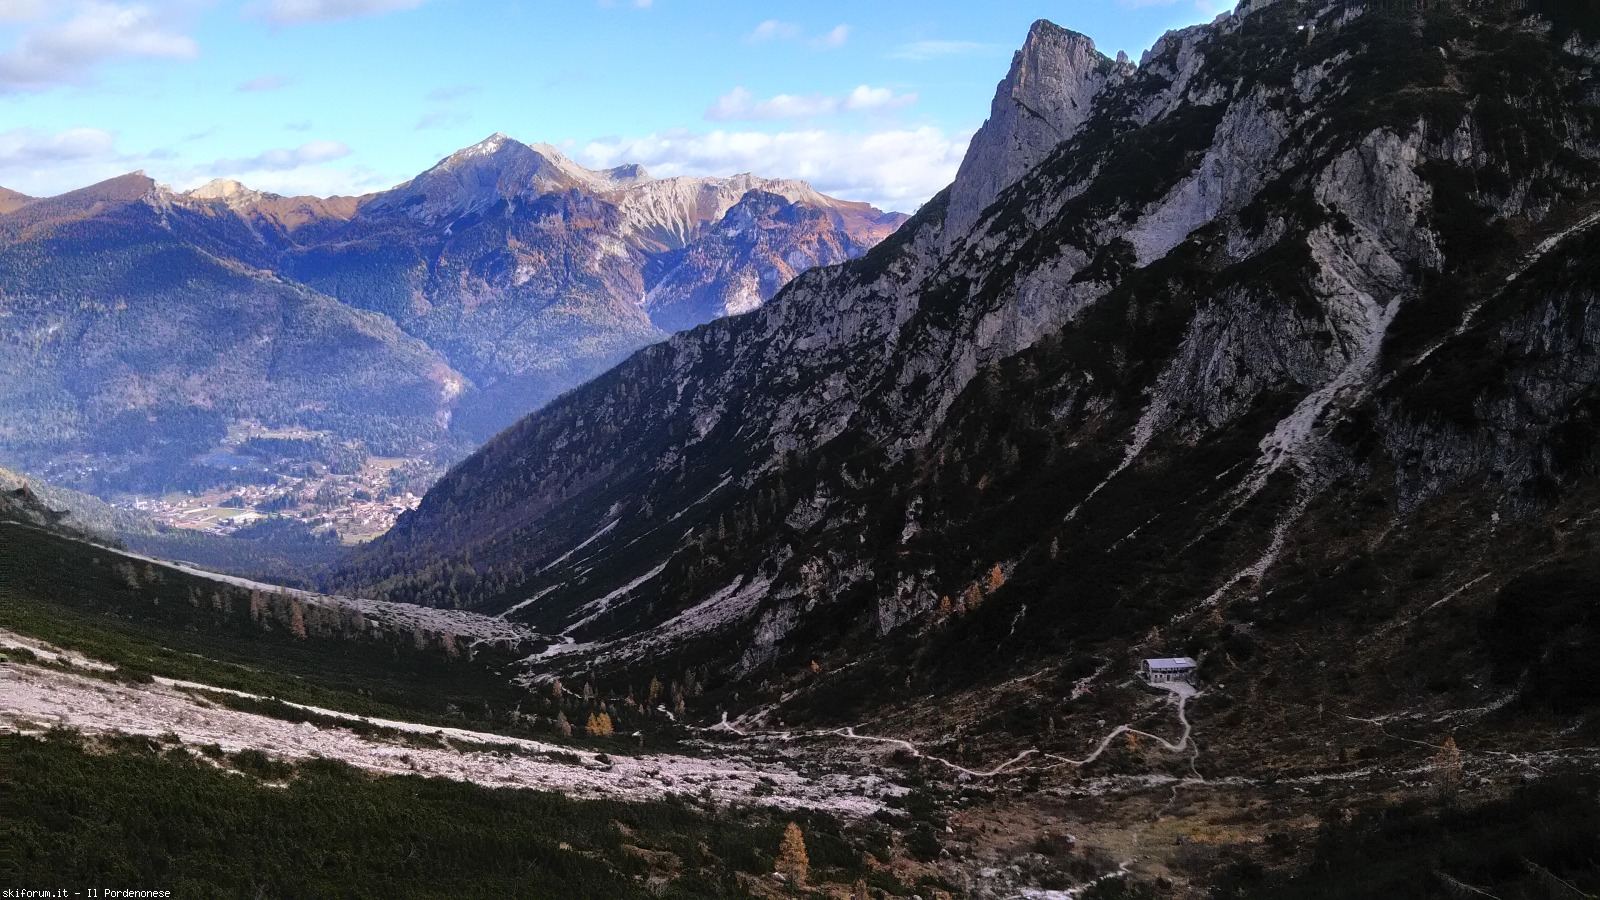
{"x": 1171, "y": 663}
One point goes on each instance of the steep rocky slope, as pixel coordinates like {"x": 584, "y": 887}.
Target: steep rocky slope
{"x": 1275, "y": 349}
{"x": 418, "y": 321}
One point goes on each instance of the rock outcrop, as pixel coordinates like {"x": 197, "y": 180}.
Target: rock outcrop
{"x": 1047, "y": 96}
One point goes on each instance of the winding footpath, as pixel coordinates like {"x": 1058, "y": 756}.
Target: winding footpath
{"x": 1181, "y": 691}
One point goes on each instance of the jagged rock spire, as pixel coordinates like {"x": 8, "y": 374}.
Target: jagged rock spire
{"x": 1046, "y": 97}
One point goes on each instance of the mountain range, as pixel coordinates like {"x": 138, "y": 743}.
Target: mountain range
{"x": 418, "y": 321}
{"x": 1278, "y": 350}
{"x": 1273, "y": 360}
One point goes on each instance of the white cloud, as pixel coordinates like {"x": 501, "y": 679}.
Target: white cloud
{"x": 315, "y": 168}
{"x": 742, "y": 104}
{"x": 774, "y": 30}
{"x": 21, "y": 10}
{"x": 295, "y": 12}
{"x": 309, "y": 181}
{"x": 925, "y": 50}
{"x": 282, "y": 160}
{"x": 43, "y": 164}
{"x": 891, "y": 169}
{"x": 779, "y": 30}
{"x": 264, "y": 83}
{"x": 25, "y": 146}
{"x": 65, "y": 52}
{"x": 834, "y": 38}
{"x": 633, "y": 4}
{"x": 443, "y": 118}
{"x": 871, "y": 99}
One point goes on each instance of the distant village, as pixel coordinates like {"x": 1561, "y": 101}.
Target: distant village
{"x": 358, "y": 499}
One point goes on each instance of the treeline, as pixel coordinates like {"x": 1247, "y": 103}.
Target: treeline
{"x": 148, "y": 618}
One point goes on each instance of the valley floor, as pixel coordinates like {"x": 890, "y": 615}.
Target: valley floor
{"x": 1161, "y": 791}
{"x": 1032, "y": 825}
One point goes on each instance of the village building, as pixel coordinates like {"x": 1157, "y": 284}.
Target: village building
{"x": 1169, "y": 669}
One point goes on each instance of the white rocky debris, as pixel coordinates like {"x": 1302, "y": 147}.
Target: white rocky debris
{"x": 34, "y": 699}
{"x": 1242, "y": 156}
{"x": 604, "y": 530}
{"x": 50, "y": 654}
{"x": 723, "y": 608}
{"x": 594, "y": 609}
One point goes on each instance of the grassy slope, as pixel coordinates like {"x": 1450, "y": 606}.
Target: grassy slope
{"x": 156, "y": 817}
{"x": 76, "y": 596}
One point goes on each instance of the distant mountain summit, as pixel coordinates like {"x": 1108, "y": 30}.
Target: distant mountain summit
{"x": 418, "y": 320}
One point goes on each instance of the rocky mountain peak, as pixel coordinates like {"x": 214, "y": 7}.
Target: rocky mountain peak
{"x": 1048, "y": 94}
{"x": 231, "y": 193}
{"x": 492, "y": 144}
{"x": 743, "y": 259}
{"x": 130, "y": 188}
{"x": 494, "y": 152}
{"x": 475, "y": 178}
{"x": 628, "y": 174}
{"x": 501, "y": 168}
{"x": 219, "y": 189}
{"x": 601, "y": 181}
{"x": 123, "y": 188}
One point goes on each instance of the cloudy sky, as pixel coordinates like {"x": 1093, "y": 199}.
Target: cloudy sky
{"x": 872, "y": 101}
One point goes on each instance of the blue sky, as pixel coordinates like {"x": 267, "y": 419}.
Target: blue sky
{"x": 872, "y": 101}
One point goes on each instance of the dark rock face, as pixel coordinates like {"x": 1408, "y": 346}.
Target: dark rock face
{"x": 1279, "y": 310}
{"x": 420, "y": 321}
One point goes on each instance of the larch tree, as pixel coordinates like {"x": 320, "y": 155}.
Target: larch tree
{"x": 1447, "y": 769}
{"x": 997, "y": 578}
{"x": 792, "y": 860}
{"x": 297, "y": 619}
